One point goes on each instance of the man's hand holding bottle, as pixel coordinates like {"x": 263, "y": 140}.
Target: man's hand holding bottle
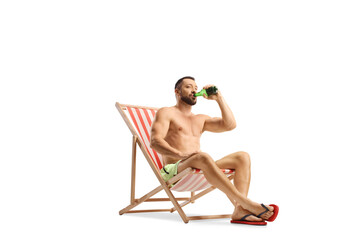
{"x": 209, "y": 92}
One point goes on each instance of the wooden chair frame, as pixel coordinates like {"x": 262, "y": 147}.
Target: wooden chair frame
{"x": 163, "y": 185}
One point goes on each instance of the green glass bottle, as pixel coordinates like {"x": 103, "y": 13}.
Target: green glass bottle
{"x": 209, "y": 91}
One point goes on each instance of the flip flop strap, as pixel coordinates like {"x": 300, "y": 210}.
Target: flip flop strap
{"x": 263, "y": 211}
{"x": 243, "y": 218}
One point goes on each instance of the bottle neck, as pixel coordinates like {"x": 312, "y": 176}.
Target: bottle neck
{"x": 200, "y": 93}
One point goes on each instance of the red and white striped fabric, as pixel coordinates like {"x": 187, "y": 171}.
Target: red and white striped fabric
{"x": 141, "y": 120}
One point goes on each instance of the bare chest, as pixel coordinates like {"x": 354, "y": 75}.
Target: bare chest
{"x": 189, "y": 126}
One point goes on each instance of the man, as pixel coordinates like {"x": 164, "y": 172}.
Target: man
{"x": 176, "y": 133}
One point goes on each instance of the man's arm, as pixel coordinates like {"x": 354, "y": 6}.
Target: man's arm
{"x": 226, "y": 122}
{"x": 159, "y": 129}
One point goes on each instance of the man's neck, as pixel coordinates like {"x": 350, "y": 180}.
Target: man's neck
{"x": 184, "y": 107}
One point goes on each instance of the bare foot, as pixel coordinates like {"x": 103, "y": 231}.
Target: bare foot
{"x": 240, "y": 212}
{"x": 257, "y": 209}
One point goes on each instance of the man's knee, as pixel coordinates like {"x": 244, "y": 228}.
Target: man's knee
{"x": 204, "y": 159}
{"x": 202, "y": 156}
{"x": 242, "y": 159}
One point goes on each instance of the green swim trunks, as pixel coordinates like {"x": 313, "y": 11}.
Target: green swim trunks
{"x": 169, "y": 171}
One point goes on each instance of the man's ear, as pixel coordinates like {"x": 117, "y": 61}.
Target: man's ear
{"x": 177, "y": 91}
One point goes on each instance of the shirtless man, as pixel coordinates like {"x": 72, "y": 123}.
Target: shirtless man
{"x": 176, "y": 133}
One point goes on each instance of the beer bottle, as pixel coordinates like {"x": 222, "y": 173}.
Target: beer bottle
{"x": 209, "y": 91}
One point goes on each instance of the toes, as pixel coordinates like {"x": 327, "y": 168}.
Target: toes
{"x": 268, "y": 215}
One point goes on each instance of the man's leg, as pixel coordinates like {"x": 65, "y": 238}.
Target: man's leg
{"x": 241, "y": 164}
{"x": 217, "y": 178}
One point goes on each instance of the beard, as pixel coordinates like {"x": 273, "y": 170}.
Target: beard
{"x": 188, "y": 100}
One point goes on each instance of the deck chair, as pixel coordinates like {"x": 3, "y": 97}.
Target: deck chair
{"x": 139, "y": 120}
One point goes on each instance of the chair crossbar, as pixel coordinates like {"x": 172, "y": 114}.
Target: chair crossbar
{"x": 165, "y": 199}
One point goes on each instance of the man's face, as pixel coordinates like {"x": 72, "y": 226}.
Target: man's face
{"x": 187, "y": 90}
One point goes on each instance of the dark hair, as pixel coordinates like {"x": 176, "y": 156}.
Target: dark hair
{"x": 178, "y": 83}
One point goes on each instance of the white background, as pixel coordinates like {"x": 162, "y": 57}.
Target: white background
{"x": 288, "y": 69}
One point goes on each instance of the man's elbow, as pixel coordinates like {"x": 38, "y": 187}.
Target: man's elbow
{"x": 231, "y": 126}
{"x": 154, "y": 142}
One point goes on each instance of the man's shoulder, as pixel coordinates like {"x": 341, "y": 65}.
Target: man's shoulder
{"x": 202, "y": 116}
{"x": 164, "y": 112}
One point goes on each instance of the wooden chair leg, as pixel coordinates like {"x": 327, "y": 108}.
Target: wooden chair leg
{"x": 191, "y": 197}
{"x": 176, "y": 205}
{"x": 133, "y": 170}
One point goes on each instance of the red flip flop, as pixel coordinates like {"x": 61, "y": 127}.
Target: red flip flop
{"x": 243, "y": 221}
